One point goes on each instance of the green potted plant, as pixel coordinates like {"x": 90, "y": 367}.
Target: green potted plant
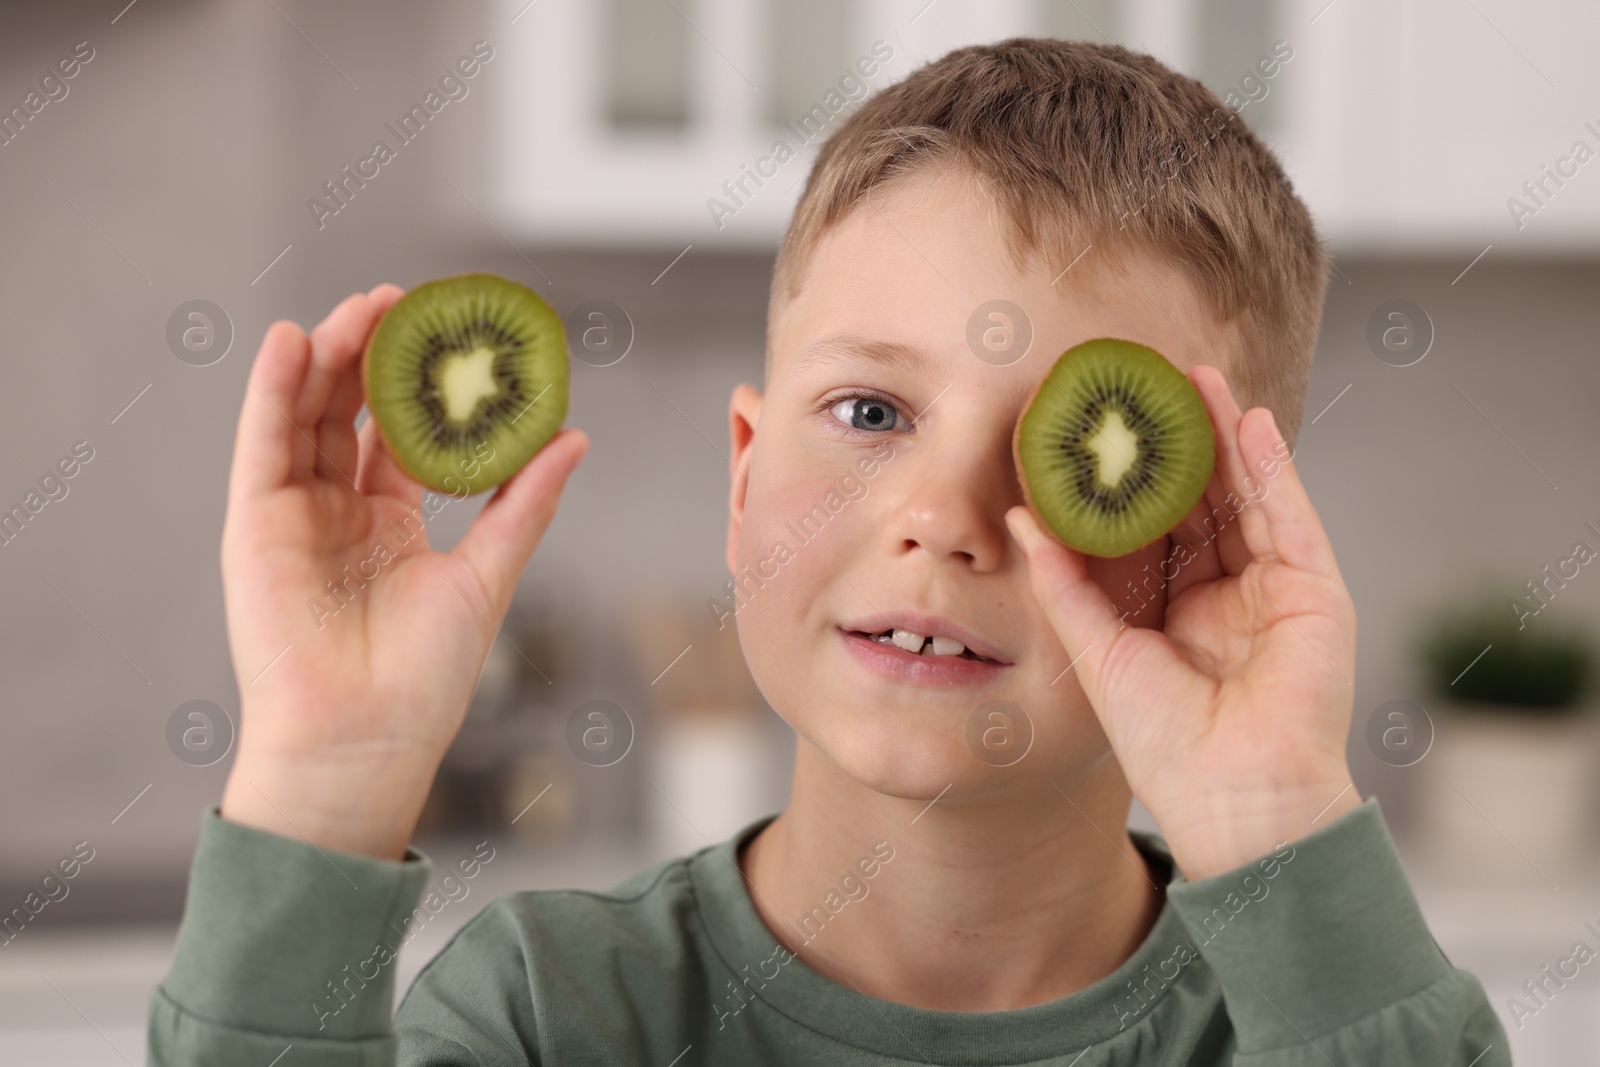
{"x": 1514, "y": 761}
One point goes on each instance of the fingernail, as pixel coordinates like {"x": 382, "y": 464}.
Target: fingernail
{"x": 1276, "y": 433}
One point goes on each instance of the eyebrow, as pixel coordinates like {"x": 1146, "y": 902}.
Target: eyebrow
{"x": 840, "y": 348}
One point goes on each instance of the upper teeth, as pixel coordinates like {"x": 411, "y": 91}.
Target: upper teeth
{"x": 937, "y": 645}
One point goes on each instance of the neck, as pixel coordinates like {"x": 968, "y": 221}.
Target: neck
{"x": 981, "y": 904}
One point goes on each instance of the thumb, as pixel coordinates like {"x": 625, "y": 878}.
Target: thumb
{"x": 1079, "y": 611}
{"x": 503, "y": 536}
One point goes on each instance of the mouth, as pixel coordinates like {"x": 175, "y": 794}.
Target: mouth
{"x": 922, "y": 649}
{"x": 930, "y": 645}
{"x": 924, "y": 634}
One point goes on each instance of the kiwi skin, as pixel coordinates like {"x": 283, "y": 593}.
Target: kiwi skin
{"x": 485, "y": 471}
{"x": 1027, "y": 496}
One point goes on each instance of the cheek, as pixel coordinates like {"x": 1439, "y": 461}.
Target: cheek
{"x": 795, "y": 517}
{"x": 798, "y": 534}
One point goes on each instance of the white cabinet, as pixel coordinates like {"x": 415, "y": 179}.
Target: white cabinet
{"x": 1411, "y": 125}
{"x": 1406, "y": 125}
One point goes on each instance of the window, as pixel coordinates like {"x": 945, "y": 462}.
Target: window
{"x": 1081, "y": 20}
{"x": 807, "y": 49}
{"x": 647, "y": 64}
{"x": 1234, "y": 35}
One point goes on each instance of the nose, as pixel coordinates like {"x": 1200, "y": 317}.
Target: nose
{"x": 951, "y": 502}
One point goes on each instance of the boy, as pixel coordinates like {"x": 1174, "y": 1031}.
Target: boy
{"x": 920, "y": 900}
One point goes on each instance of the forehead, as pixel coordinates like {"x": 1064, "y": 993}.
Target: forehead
{"x": 917, "y": 263}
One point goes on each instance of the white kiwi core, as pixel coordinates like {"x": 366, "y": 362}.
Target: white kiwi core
{"x": 1115, "y": 447}
{"x": 465, "y": 379}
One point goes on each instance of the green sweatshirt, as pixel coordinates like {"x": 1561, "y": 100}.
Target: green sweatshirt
{"x": 1314, "y": 955}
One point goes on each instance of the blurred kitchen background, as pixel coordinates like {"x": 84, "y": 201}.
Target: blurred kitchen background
{"x": 1450, "y": 438}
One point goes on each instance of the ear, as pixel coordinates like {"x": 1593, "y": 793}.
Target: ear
{"x": 744, "y": 412}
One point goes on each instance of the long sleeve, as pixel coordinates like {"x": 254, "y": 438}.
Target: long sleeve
{"x": 1323, "y": 956}
{"x": 1316, "y": 953}
{"x": 284, "y": 945}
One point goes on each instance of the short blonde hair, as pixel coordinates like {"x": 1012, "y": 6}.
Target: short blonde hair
{"x": 1084, "y": 143}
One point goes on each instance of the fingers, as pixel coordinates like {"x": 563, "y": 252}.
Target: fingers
{"x": 336, "y": 439}
{"x": 1297, "y": 534}
{"x": 1256, "y": 480}
{"x": 267, "y": 447}
{"x": 294, "y": 383}
{"x": 1079, "y": 611}
{"x": 1232, "y": 489}
{"x": 337, "y": 451}
{"x": 336, "y": 346}
{"x": 386, "y": 294}
{"x": 1195, "y": 556}
{"x": 505, "y": 533}
{"x": 377, "y": 474}
{"x": 1221, "y": 508}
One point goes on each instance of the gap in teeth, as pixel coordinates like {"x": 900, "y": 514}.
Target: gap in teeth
{"x": 937, "y": 645}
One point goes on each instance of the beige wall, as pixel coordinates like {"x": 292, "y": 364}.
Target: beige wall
{"x": 192, "y": 140}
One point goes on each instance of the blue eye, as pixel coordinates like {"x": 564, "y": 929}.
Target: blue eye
{"x": 866, "y": 413}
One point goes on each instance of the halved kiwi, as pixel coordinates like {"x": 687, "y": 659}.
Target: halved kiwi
{"x": 1114, "y": 448}
{"x": 466, "y": 378}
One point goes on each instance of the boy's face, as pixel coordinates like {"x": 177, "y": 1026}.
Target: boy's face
{"x": 853, "y": 519}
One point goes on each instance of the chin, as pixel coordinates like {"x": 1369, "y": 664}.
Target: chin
{"x": 906, "y": 755}
{"x": 921, "y": 751}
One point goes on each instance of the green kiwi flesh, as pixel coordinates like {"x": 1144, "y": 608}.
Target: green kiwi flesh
{"x": 1114, "y": 448}
{"x": 466, "y": 378}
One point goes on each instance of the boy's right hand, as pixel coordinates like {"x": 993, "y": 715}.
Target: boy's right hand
{"x": 345, "y": 716}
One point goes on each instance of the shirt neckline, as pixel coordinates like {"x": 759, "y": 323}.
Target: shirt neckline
{"x": 1088, "y": 1017}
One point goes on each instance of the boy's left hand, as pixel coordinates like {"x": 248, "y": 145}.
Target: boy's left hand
{"x": 1230, "y": 723}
